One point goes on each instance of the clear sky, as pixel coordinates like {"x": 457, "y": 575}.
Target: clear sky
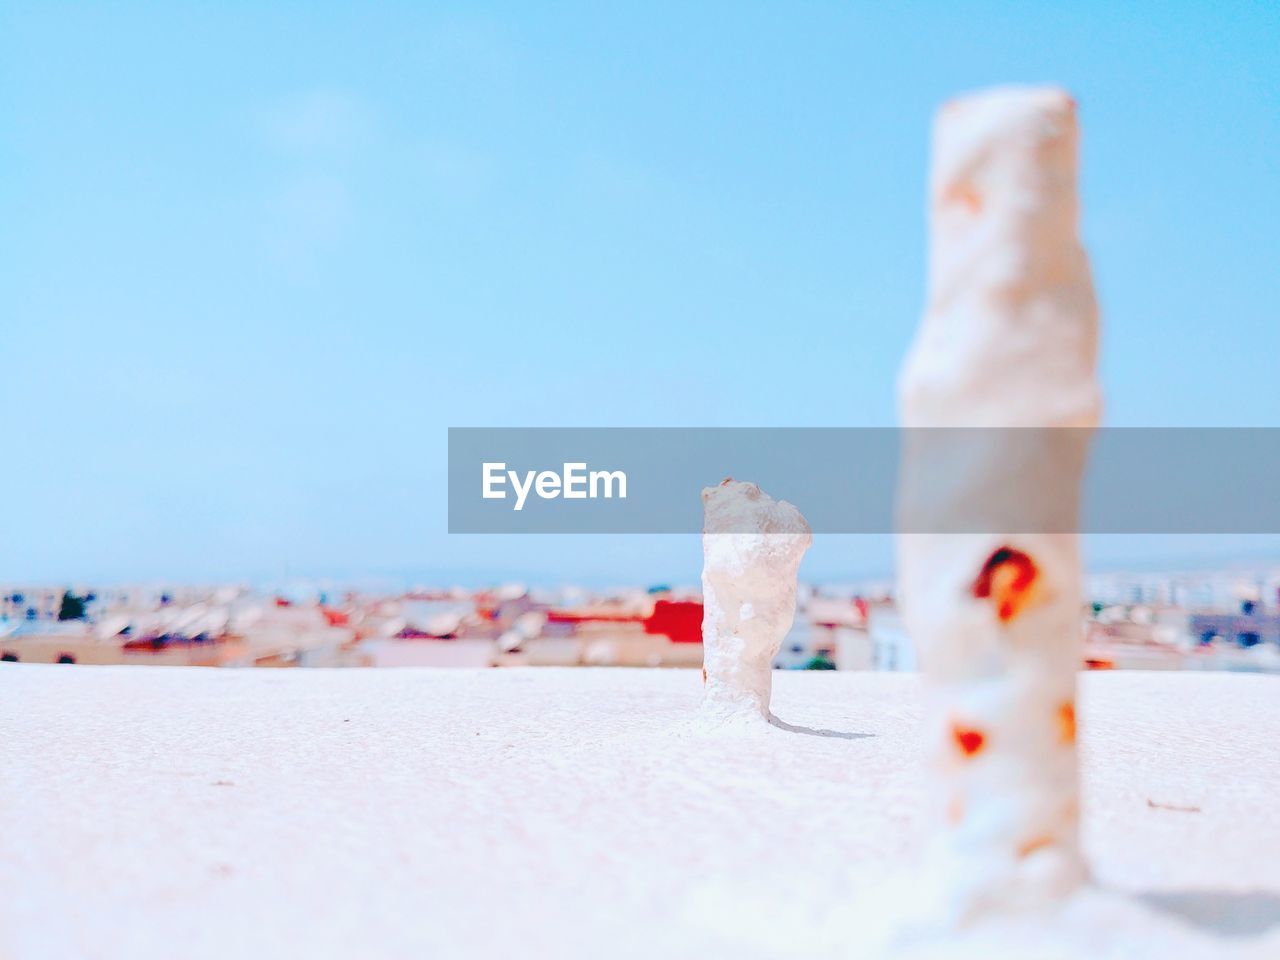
{"x": 256, "y": 258}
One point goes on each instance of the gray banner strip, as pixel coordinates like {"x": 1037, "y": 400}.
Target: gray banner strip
{"x": 846, "y": 480}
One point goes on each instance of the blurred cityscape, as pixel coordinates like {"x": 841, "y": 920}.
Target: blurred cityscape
{"x": 1224, "y": 620}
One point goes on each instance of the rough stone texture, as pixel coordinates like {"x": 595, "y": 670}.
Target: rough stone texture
{"x": 164, "y": 812}
{"x": 751, "y": 547}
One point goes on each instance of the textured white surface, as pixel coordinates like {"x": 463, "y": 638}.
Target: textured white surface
{"x": 751, "y": 550}
{"x": 1009, "y": 336}
{"x": 178, "y": 812}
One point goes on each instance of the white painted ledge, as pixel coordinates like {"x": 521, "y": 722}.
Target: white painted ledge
{"x": 164, "y": 812}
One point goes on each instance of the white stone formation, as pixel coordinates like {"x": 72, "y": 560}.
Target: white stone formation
{"x": 1008, "y": 340}
{"x": 752, "y": 546}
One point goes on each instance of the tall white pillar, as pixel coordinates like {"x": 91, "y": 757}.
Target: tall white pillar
{"x": 1008, "y": 341}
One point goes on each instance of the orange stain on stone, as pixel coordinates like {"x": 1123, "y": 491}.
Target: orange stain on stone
{"x": 704, "y": 675}
{"x": 1007, "y": 578}
{"x": 1067, "y": 722}
{"x": 1029, "y": 847}
{"x": 964, "y": 195}
{"x": 969, "y": 741}
{"x": 955, "y": 809}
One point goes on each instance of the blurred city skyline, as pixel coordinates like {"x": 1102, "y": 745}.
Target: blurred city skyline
{"x": 256, "y": 261}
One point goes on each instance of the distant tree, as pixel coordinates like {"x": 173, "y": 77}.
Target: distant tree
{"x": 72, "y": 607}
{"x": 820, "y": 663}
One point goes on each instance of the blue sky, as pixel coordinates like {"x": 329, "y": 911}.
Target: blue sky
{"x": 255, "y": 261}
